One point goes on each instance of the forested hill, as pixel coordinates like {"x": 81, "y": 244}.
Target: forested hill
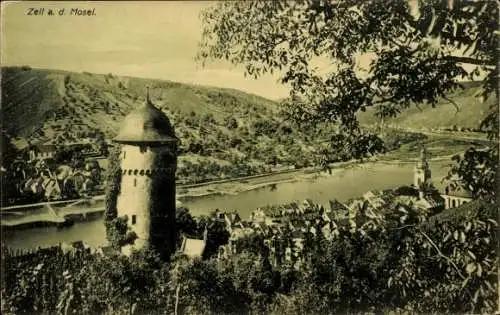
{"x": 35, "y": 99}
{"x": 467, "y": 112}
{"x": 217, "y": 127}
{"x": 223, "y": 132}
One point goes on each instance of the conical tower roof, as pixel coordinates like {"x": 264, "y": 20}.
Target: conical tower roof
{"x": 146, "y": 124}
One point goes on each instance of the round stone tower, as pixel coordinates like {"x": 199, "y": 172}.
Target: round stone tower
{"x": 147, "y": 191}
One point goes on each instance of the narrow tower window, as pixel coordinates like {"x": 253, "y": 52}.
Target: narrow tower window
{"x": 124, "y": 154}
{"x": 135, "y": 182}
{"x": 134, "y": 219}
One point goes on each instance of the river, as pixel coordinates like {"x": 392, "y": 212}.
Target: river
{"x": 343, "y": 184}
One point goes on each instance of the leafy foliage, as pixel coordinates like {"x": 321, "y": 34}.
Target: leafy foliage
{"x": 357, "y": 145}
{"x": 476, "y": 171}
{"x": 117, "y": 230}
{"x": 8, "y": 151}
{"x": 217, "y": 234}
{"x": 381, "y": 54}
{"x": 113, "y": 180}
{"x": 185, "y": 224}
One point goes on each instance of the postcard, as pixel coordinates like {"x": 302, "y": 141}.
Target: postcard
{"x": 249, "y": 157}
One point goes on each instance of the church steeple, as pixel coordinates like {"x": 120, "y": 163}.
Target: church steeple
{"x": 423, "y": 155}
{"x": 422, "y": 172}
{"x": 148, "y": 99}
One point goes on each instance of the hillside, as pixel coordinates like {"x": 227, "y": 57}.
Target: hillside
{"x": 470, "y": 112}
{"x": 35, "y": 99}
{"x": 224, "y": 132}
{"x": 217, "y": 127}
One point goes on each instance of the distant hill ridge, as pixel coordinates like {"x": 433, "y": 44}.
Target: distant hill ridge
{"x": 37, "y": 103}
{"x": 37, "y": 99}
{"x": 224, "y": 132}
{"x": 469, "y": 114}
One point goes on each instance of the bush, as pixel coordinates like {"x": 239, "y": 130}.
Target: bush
{"x": 231, "y": 123}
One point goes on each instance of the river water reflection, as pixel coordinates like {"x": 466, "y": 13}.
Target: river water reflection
{"x": 343, "y": 184}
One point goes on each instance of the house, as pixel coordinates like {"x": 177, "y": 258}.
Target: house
{"x": 239, "y": 230}
{"x": 406, "y": 190}
{"x": 232, "y": 220}
{"x": 34, "y": 185}
{"x": 374, "y": 198}
{"x": 298, "y": 225}
{"x": 330, "y": 230}
{"x": 276, "y": 248}
{"x": 336, "y": 205}
{"x": 193, "y": 248}
{"x": 455, "y": 198}
{"x": 52, "y": 189}
{"x": 85, "y": 148}
{"x": 431, "y": 201}
{"x": 42, "y": 151}
{"x": 337, "y": 210}
{"x": 242, "y": 229}
{"x": 293, "y": 252}
{"x": 259, "y": 217}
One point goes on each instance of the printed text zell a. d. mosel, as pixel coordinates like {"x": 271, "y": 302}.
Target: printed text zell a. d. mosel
{"x": 63, "y": 11}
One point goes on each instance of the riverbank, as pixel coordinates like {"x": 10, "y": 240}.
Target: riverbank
{"x": 237, "y": 185}
{"x": 61, "y": 215}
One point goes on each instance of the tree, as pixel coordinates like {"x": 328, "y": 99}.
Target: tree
{"x": 411, "y": 55}
{"x": 476, "y": 171}
{"x": 217, "y": 234}
{"x": 118, "y": 232}
{"x": 8, "y": 152}
{"x": 185, "y": 223}
{"x": 102, "y": 146}
{"x": 204, "y": 289}
{"x": 77, "y": 159}
{"x": 252, "y": 243}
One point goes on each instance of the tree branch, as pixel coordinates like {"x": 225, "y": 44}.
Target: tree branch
{"x": 470, "y": 60}
{"x": 454, "y": 104}
{"x": 443, "y": 255}
{"x": 402, "y": 227}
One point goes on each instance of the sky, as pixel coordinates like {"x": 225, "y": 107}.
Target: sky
{"x": 142, "y": 39}
{"x": 157, "y": 39}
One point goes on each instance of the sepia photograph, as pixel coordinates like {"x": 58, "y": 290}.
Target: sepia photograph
{"x": 250, "y": 157}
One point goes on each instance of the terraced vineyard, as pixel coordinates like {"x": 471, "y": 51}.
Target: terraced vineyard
{"x": 223, "y": 132}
